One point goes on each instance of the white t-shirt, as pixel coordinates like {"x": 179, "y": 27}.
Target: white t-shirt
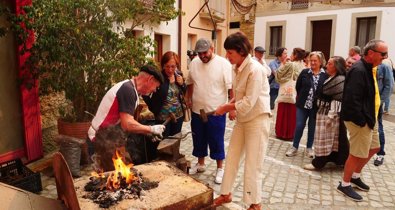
{"x": 211, "y": 82}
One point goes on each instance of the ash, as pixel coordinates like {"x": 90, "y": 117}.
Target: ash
{"x": 96, "y": 189}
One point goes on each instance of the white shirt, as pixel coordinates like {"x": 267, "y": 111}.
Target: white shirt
{"x": 265, "y": 66}
{"x": 211, "y": 82}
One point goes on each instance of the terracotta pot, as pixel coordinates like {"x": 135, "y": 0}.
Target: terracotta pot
{"x": 76, "y": 129}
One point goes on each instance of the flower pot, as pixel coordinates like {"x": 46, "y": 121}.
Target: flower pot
{"x": 75, "y": 129}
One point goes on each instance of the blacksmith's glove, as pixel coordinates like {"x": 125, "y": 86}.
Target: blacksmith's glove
{"x": 157, "y": 129}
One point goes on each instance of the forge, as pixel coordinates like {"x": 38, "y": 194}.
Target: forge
{"x": 157, "y": 185}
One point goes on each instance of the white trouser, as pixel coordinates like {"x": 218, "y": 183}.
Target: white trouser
{"x": 249, "y": 138}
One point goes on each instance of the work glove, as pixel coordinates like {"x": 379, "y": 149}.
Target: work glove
{"x": 157, "y": 130}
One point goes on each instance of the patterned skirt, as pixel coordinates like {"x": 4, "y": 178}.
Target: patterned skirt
{"x": 326, "y": 138}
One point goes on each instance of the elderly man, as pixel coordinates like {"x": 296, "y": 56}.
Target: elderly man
{"x": 209, "y": 85}
{"x": 259, "y": 55}
{"x": 360, "y": 108}
{"x": 386, "y": 83}
{"x": 355, "y": 52}
{"x": 118, "y": 105}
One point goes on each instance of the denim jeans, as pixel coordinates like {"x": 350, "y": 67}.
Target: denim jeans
{"x": 273, "y": 96}
{"x": 302, "y": 115}
{"x": 386, "y": 104}
{"x": 381, "y": 131}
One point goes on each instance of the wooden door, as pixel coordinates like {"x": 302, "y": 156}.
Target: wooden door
{"x": 322, "y": 37}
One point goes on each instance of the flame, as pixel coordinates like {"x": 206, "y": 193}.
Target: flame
{"x": 121, "y": 171}
{"x": 98, "y": 175}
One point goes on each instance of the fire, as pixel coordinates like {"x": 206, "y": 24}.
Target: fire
{"x": 122, "y": 172}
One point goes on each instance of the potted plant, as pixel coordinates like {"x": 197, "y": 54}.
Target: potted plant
{"x": 81, "y": 47}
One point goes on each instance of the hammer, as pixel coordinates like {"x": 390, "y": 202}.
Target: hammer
{"x": 204, "y": 115}
{"x": 171, "y": 118}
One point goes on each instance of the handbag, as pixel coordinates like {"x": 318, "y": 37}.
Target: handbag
{"x": 287, "y": 92}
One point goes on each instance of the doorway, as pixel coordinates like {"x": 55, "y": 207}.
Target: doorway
{"x": 322, "y": 37}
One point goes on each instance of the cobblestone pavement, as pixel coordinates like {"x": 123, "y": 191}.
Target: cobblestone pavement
{"x": 286, "y": 185}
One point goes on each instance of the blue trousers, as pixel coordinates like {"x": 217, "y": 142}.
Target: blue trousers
{"x": 381, "y": 131}
{"x": 208, "y": 135}
{"x": 273, "y": 96}
{"x": 302, "y": 115}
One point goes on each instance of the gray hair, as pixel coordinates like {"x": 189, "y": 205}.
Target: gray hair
{"x": 371, "y": 45}
{"x": 320, "y": 55}
{"x": 356, "y": 49}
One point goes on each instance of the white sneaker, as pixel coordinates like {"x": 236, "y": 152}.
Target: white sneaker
{"x": 218, "y": 175}
{"x": 310, "y": 152}
{"x": 197, "y": 168}
{"x": 291, "y": 152}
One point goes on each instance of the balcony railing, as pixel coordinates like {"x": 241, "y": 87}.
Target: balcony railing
{"x": 217, "y": 9}
{"x": 300, "y": 4}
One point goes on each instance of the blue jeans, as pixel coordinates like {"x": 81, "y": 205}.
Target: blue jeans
{"x": 386, "y": 104}
{"x": 273, "y": 96}
{"x": 381, "y": 131}
{"x": 302, "y": 115}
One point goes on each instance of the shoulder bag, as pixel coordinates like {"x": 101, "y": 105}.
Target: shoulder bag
{"x": 287, "y": 91}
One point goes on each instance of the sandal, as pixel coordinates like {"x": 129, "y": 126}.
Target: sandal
{"x": 222, "y": 199}
{"x": 255, "y": 207}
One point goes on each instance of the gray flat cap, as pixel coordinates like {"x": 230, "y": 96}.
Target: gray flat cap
{"x": 260, "y": 49}
{"x": 202, "y": 45}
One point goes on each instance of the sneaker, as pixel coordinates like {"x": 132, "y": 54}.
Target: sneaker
{"x": 197, "y": 169}
{"x": 379, "y": 160}
{"x": 218, "y": 176}
{"x": 359, "y": 184}
{"x": 386, "y": 112}
{"x": 291, "y": 152}
{"x": 309, "y": 167}
{"x": 310, "y": 152}
{"x": 349, "y": 192}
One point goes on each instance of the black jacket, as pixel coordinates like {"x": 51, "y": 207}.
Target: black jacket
{"x": 303, "y": 86}
{"x": 155, "y": 102}
{"x": 358, "y": 104}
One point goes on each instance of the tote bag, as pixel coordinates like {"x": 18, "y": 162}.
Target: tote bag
{"x": 287, "y": 91}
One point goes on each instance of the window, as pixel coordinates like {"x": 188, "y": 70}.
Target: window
{"x": 275, "y": 39}
{"x": 366, "y": 28}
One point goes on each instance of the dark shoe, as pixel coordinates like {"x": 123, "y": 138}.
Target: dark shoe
{"x": 222, "y": 199}
{"x": 379, "y": 160}
{"x": 349, "y": 192}
{"x": 359, "y": 184}
{"x": 255, "y": 207}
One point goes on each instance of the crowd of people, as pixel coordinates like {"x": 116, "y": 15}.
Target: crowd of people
{"x": 333, "y": 97}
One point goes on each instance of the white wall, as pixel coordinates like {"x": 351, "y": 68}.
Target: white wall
{"x": 296, "y": 28}
{"x": 169, "y": 29}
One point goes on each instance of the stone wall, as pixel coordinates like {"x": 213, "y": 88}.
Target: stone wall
{"x": 49, "y": 107}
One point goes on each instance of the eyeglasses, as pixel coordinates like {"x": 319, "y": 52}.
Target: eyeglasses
{"x": 383, "y": 54}
{"x": 170, "y": 66}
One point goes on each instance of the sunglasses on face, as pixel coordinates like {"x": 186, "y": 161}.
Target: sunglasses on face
{"x": 383, "y": 54}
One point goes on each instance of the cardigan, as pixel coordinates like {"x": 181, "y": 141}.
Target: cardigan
{"x": 303, "y": 85}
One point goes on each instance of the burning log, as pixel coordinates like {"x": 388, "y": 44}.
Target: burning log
{"x": 158, "y": 185}
{"x": 107, "y": 189}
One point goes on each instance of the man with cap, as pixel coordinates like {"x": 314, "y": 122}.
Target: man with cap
{"x": 209, "y": 85}
{"x": 259, "y": 55}
{"x": 119, "y": 104}
{"x": 191, "y": 55}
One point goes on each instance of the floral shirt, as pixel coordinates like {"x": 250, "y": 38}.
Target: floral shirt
{"x": 172, "y": 103}
{"x": 310, "y": 98}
